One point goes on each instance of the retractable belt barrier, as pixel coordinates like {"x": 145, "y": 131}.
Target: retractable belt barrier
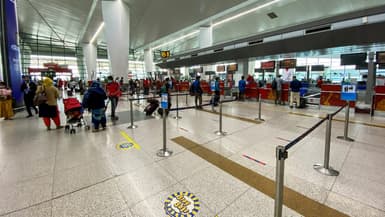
{"x": 282, "y": 154}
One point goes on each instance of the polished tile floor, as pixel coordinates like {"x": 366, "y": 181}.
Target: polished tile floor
{"x": 52, "y": 173}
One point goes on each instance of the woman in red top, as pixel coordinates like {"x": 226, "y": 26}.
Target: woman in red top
{"x": 113, "y": 93}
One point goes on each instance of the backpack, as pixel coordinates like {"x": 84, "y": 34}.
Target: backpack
{"x": 274, "y": 84}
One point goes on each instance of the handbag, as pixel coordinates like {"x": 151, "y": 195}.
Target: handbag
{"x": 40, "y": 98}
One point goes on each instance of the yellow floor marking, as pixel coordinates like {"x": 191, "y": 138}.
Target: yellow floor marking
{"x": 128, "y": 138}
{"x": 292, "y": 199}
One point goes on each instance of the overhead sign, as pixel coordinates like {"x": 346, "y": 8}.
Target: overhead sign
{"x": 353, "y": 59}
{"x": 301, "y": 69}
{"x": 209, "y": 73}
{"x": 317, "y": 68}
{"x": 221, "y": 68}
{"x": 165, "y": 53}
{"x": 268, "y": 65}
{"x": 232, "y": 68}
{"x": 380, "y": 57}
{"x": 288, "y": 64}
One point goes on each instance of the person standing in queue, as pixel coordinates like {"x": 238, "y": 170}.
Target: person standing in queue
{"x": 94, "y": 100}
{"x": 197, "y": 91}
{"x": 113, "y": 92}
{"x": 242, "y": 88}
{"x": 49, "y": 110}
{"x": 277, "y": 87}
{"x": 217, "y": 92}
{"x": 29, "y": 88}
{"x": 295, "y": 87}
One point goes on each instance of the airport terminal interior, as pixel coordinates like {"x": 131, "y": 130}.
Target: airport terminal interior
{"x": 181, "y": 108}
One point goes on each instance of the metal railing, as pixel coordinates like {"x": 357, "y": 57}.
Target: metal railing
{"x": 282, "y": 155}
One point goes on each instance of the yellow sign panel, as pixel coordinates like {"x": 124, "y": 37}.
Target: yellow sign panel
{"x": 165, "y": 54}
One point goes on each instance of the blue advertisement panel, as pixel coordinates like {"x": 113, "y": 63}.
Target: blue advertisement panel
{"x": 164, "y": 101}
{"x": 13, "y": 51}
{"x": 348, "y": 92}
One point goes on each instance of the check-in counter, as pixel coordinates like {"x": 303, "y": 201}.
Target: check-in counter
{"x": 331, "y": 96}
{"x": 379, "y": 98}
{"x": 183, "y": 86}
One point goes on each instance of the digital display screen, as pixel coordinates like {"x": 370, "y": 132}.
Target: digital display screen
{"x": 353, "y": 59}
{"x": 380, "y": 57}
{"x": 288, "y": 64}
{"x": 268, "y": 65}
{"x": 221, "y": 68}
{"x": 232, "y": 68}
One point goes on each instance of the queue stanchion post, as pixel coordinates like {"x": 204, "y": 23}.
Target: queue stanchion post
{"x": 220, "y": 132}
{"x": 137, "y": 99}
{"x": 325, "y": 167}
{"x": 177, "y": 107}
{"x": 186, "y": 99}
{"x": 281, "y": 156}
{"x": 132, "y": 126}
{"x": 346, "y": 127}
{"x": 164, "y": 152}
{"x": 259, "y": 109}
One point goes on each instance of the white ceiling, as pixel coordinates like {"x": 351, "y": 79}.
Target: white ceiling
{"x": 163, "y": 20}
{"x": 149, "y": 19}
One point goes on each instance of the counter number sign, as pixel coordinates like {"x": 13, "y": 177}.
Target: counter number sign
{"x": 165, "y": 53}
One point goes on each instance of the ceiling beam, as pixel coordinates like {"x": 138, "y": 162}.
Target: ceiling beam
{"x": 89, "y": 17}
{"x": 359, "y": 35}
{"x": 45, "y": 21}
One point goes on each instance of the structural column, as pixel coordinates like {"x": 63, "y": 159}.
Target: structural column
{"x": 90, "y": 55}
{"x": 148, "y": 61}
{"x": 116, "y": 16}
{"x": 10, "y": 49}
{"x": 243, "y": 67}
{"x": 371, "y": 82}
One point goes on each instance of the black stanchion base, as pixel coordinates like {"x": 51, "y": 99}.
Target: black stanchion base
{"x": 177, "y": 117}
{"x": 346, "y": 139}
{"x": 259, "y": 119}
{"x": 132, "y": 127}
{"x": 164, "y": 153}
{"x": 329, "y": 172}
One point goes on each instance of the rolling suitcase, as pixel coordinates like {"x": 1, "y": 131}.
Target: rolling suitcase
{"x": 150, "y": 108}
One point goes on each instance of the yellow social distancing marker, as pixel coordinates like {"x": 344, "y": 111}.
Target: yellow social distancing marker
{"x": 130, "y": 140}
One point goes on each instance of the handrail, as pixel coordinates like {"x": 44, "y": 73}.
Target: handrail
{"x": 303, "y": 135}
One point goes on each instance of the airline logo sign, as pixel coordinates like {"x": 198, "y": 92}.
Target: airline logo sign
{"x": 165, "y": 54}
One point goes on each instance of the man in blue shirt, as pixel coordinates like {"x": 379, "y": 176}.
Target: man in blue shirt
{"x": 197, "y": 92}
{"x": 217, "y": 92}
{"x": 295, "y": 86}
{"x": 242, "y": 88}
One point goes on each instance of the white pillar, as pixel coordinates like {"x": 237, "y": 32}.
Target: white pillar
{"x": 116, "y": 16}
{"x": 148, "y": 61}
{"x": 90, "y": 55}
{"x": 205, "y": 36}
